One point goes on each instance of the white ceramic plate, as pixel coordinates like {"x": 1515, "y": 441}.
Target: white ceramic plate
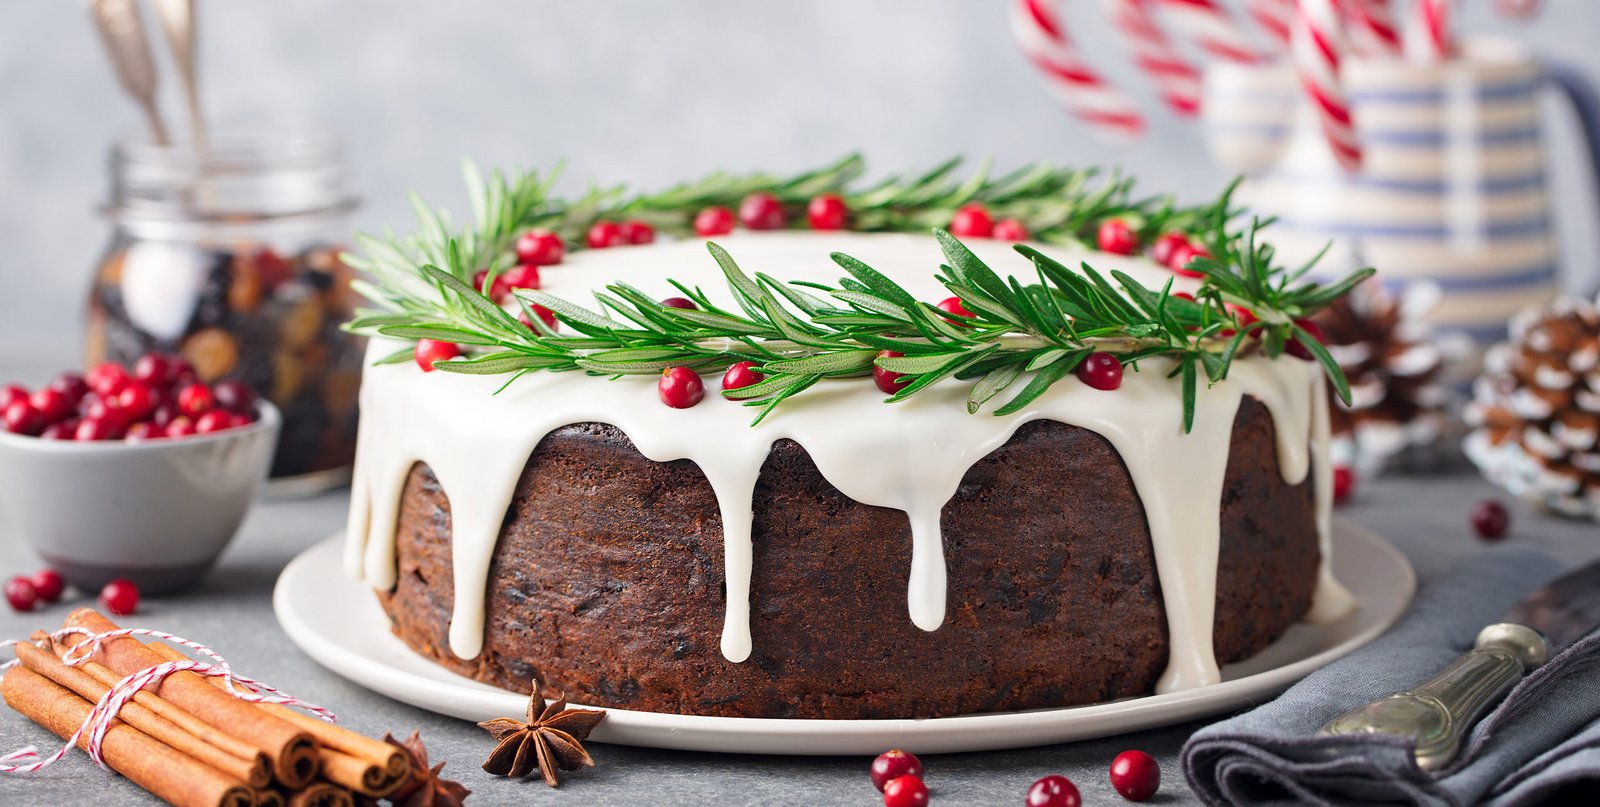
{"x": 338, "y": 622}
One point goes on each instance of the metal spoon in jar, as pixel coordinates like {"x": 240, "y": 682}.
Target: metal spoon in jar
{"x": 123, "y": 33}
{"x": 177, "y": 20}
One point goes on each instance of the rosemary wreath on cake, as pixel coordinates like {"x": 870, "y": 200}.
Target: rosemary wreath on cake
{"x": 454, "y": 290}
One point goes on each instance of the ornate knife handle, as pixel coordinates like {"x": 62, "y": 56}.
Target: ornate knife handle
{"x": 1440, "y": 712}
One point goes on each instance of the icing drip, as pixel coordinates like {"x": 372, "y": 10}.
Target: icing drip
{"x": 909, "y": 456}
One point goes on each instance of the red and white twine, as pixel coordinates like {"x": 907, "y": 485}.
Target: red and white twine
{"x": 1176, "y": 80}
{"x": 1317, "y": 49}
{"x": 104, "y": 713}
{"x": 1080, "y": 87}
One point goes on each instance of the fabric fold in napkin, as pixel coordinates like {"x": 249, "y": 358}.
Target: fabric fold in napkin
{"x": 1542, "y": 741}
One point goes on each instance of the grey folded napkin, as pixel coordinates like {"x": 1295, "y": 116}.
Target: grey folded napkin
{"x": 1540, "y": 746}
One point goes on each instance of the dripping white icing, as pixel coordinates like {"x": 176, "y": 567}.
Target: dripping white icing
{"x": 909, "y": 456}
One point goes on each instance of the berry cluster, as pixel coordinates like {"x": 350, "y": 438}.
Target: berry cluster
{"x": 119, "y": 597}
{"x": 161, "y": 396}
{"x": 898, "y": 775}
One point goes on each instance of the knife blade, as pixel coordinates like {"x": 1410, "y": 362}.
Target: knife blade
{"x": 1439, "y": 712}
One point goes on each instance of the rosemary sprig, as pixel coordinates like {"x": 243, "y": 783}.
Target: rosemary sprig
{"x": 1033, "y": 333}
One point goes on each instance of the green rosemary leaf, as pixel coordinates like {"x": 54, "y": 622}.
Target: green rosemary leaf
{"x": 957, "y": 362}
{"x": 1047, "y": 358}
{"x": 874, "y": 281}
{"x": 1189, "y": 389}
{"x": 992, "y": 384}
{"x": 1036, "y": 386}
{"x": 400, "y": 356}
{"x": 843, "y": 361}
{"x": 442, "y": 333}
{"x": 971, "y": 271}
{"x": 873, "y": 304}
{"x": 500, "y": 364}
{"x": 1341, "y": 385}
{"x": 799, "y": 385}
{"x": 567, "y": 312}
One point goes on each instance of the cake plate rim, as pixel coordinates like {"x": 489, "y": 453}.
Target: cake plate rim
{"x": 336, "y": 621}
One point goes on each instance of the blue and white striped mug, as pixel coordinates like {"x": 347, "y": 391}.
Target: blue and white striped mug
{"x": 1453, "y": 187}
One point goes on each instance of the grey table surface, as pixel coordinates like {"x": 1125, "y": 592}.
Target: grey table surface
{"x": 1426, "y": 517}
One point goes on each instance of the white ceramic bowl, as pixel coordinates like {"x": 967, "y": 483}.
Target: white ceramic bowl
{"x": 157, "y": 512}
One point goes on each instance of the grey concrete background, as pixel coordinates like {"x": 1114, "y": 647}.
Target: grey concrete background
{"x": 625, "y": 90}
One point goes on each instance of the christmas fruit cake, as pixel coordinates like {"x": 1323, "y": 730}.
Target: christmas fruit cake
{"x": 662, "y": 474}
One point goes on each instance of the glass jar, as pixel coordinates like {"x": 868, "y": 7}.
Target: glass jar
{"x": 230, "y": 258}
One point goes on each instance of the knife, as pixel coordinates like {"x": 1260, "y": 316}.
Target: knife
{"x": 1439, "y": 713}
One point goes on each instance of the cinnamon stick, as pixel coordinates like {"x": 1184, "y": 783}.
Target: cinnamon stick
{"x": 322, "y": 794}
{"x": 252, "y": 771}
{"x": 365, "y": 765}
{"x": 291, "y": 751}
{"x": 170, "y": 775}
{"x": 269, "y": 798}
{"x": 161, "y": 706}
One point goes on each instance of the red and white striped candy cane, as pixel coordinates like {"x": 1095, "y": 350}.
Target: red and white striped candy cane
{"x": 1431, "y": 41}
{"x": 1089, "y": 96}
{"x": 1175, "y": 78}
{"x": 1372, "y": 28}
{"x": 1318, "y": 47}
{"x": 1276, "y": 17}
{"x": 1212, "y": 28}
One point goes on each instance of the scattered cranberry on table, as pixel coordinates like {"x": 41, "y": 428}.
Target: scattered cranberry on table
{"x": 111, "y": 402}
{"x": 120, "y": 597}
{"x": 1344, "y": 484}
{"x": 740, "y": 375}
{"x": 1100, "y": 370}
{"x": 713, "y": 221}
{"x": 888, "y": 380}
{"x": 680, "y": 302}
{"x": 905, "y": 791}
{"x": 971, "y": 221}
{"x": 1135, "y": 775}
{"x": 827, "y": 212}
{"x": 1490, "y": 520}
{"x": 1116, "y": 237}
{"x": 540, "y": 248}
{"x": 606, "y": 234}
{"x": 1010, "y": 230}
{"x": 1054, "y": 790}
{"x": 680, "y": 387}
{"x": 893, "y": 764}
{"x": 637, "y": 232}
{"x": 48, "y": 584}
{"x": 21, "y": 594}
{"x": 761, "y": 211}
{"x": 426, "y": 352}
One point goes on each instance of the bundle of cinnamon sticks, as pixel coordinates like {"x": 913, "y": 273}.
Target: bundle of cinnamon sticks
{"x": 190, "y": 742}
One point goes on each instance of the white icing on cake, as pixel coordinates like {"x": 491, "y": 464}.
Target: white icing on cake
{"x": 910, "y": 456}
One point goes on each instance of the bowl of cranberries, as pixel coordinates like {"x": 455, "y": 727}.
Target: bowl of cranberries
{"x": 139, "y": 473}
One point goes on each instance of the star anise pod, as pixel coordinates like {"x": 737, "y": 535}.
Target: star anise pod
{"x": 425, "y": 788}
{"x": 551, "y": 739}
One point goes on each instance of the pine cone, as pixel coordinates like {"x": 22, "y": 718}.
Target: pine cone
{"x": 1393, "y": 365}
{"x": 1536, "y": 409}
